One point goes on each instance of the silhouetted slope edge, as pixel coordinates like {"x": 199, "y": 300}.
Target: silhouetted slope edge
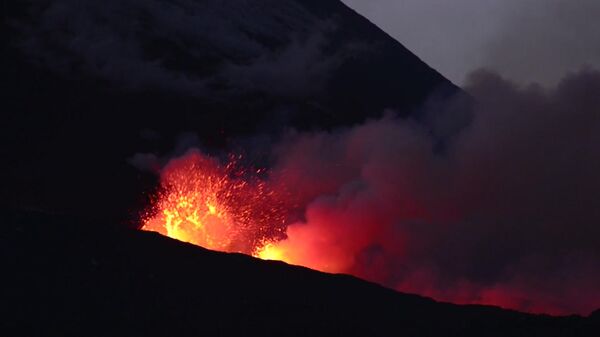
{"x": 64, "y": 277}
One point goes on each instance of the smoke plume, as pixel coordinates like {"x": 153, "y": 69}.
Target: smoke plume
{"x": 504, "y": 213}
{"x": 507, "y": 214}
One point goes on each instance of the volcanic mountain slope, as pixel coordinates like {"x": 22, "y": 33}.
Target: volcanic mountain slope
{"x": 88, "y": 84}
{"x": 64, "y": 277}
{"x": 290, "y": 53}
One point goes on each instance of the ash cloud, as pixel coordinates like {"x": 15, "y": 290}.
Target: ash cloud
{"x": 541, "y": 40}
{"x": 507, "y": 214}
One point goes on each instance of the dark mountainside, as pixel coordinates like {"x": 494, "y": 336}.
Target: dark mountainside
{"x": 63, "y": 277}
{"x": 89, "y": 84}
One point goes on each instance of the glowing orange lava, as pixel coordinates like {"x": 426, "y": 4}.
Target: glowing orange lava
{"x": 215, "y": 206}
{"x": 270, "y": 251}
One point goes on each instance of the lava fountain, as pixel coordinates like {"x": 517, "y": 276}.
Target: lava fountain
{"x": 216, "y": 206}
{"x": 229, "y": 208}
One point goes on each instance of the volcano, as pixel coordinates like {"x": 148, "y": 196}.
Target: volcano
{"x": 167, "y": 115}
{"x": 90, "y": 84}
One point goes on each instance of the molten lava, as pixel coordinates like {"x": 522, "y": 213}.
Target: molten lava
{"x": 215, "y": 206}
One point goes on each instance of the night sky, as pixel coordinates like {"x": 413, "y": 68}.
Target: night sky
{"x": 524, "y": 40}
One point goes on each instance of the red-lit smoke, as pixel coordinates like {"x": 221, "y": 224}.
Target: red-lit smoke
{"x": 506, "y": 215}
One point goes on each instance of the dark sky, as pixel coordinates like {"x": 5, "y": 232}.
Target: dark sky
{"x": 524, "y": 40}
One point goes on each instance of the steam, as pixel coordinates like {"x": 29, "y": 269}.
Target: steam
{"x": 506, "y": 215}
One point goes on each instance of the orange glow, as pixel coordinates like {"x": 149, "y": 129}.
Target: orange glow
{"x": 270, "y": 251}
{"x": 346, "y": 229}
{"x": 222, "y": 208}
{"x": 225, "y": 208}
{"x": 214, "y": 206}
